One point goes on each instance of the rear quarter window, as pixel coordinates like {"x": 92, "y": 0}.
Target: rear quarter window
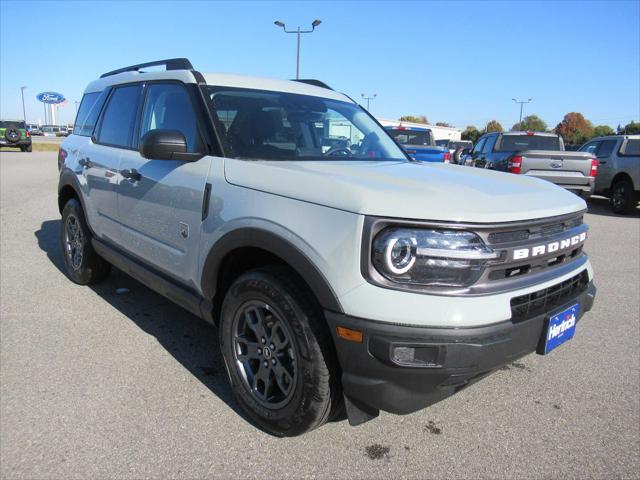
{"x": 88, "y": 113}
{"x": 632, "y": 148}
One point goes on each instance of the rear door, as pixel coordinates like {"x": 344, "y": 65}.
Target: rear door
{"x": 160, "y": 201}
{"x": 100, "y": 158}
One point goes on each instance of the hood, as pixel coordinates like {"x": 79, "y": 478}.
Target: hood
{"x": 407, "y": 190}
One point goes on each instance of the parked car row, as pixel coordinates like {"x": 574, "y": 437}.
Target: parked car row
{"x": 608, "y": 166}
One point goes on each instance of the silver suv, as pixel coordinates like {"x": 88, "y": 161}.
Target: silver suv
{"x": 338, "y": 275}
{"x": 618, "y": 171}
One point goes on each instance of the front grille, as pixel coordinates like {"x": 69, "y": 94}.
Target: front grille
{"x": 541, "y": 301}
{"x": 533, "y": 233}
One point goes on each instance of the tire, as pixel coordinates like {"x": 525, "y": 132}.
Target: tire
{"x": 12, "y": 135}
{"x": 83, "y": 265}
{"x": 28, "y": 148}
{"x": 457, "y": 156}
{"x": 278, "y": 352}
{"x": 622, "y": 197}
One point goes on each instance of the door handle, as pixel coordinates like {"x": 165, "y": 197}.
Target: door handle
{"x": 85, "y": 162}
{"x": 131, "y": 174}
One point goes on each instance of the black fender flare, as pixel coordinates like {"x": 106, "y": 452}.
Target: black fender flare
{"x": 68, "y": 179}
{"x": 276, "y": 245}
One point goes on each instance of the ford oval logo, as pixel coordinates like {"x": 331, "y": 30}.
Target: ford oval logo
{"x": 50, "y": 97}
{"x": 557, "y": 164}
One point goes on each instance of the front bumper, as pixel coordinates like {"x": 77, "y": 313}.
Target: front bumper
{"x": 374, "y": 378}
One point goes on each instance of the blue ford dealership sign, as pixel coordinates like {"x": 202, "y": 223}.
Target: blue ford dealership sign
{"x": 50, "y": 97}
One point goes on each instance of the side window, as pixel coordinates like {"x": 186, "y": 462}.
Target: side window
{"x": 590, "y": 148}
{"x": 632, "y": 148}
{"x": 119, "y": 118}
{"x": 478, "y": 146}
{"x": 168, "y": 107}
{"x": 488, "y": 146}
{"x": 88, "y": 113}
{"x": 606, "y": 147}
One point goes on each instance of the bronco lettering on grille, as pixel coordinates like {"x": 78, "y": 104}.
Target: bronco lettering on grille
{"x": 552, "y": 247}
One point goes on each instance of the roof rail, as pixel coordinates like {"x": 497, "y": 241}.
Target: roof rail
{"x": 315, "y": 83}
{"x": 170, "y": 64}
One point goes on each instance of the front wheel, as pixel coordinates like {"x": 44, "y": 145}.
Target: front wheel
{"x": 623, "y": 198}
{"x": 84, "y": 265}
{"x": 278, "y": 352}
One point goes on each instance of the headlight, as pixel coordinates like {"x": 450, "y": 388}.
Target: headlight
{"x": 428, "y": 257}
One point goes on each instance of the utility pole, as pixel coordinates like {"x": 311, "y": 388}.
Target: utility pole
{"x": 298, "y": 32}
{"x": 521, "y": 102}
{"x": 368, "y": 98}
{"x": 24, "y": 115}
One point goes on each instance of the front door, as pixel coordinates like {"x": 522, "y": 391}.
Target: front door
{"x": 160, "y": 201}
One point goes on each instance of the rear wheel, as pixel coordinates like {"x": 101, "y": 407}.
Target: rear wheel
{"x": 84, "y": 265}
{"x": 622, "y": 197}
{"x": 278, "y": 352}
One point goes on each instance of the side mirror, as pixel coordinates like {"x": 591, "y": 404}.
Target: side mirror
{"x": 164, "y": 145}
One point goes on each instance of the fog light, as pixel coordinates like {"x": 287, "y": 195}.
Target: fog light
{"x": 416, "y": 356}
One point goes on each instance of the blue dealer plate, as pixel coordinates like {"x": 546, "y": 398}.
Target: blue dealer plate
{"x": 561, "y": 328}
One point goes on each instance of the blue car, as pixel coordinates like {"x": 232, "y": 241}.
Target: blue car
{"x": 419, "y": 144}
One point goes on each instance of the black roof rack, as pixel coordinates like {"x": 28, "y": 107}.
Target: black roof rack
{"x": 170, "y": 64}
{"x": 315, "y": 83}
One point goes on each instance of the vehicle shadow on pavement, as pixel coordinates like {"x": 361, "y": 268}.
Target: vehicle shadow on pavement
{"x": 600, "y": 206}
{"x": 189, "y": 339}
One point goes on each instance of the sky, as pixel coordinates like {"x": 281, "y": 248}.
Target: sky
{"x": 458, "y": 62}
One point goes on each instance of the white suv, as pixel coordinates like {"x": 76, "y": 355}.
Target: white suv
{"x": 337, "y": 275}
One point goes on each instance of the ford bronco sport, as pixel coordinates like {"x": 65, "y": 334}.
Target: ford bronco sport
{"x": 341, "y": 277}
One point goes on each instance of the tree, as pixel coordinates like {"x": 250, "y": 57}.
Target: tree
{"x": 493, "y": 126}
{"x": 531, "y": 123}
{"x": 631, "y": 128}
{"x": 471, "y": 133}
{"x": 443, "y": 124}
{"x": 574, "y": 129}
{"x": 414, "y": 119}
{"x": 603, "y": 131}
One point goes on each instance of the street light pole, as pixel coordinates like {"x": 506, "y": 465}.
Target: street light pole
{"x": 521, "y": 102}
{"x": 298, "y": 31}
{"x": 368, "y": 99}
{"x": 24, "y": 115}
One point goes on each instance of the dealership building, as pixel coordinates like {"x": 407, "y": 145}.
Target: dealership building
{"x": 439, "y": 133}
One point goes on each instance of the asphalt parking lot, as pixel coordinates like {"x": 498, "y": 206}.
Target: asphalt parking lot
{"x": 97, "y": 383}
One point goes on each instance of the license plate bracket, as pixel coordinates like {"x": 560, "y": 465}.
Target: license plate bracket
{"x": 559, "y": 328}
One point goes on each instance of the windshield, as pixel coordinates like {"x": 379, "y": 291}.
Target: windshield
{"x": 259, "y": 124}
{"x": 516, "y": 143}
{"x": 11, "y": 124}
{"x": 411, "y": 137}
